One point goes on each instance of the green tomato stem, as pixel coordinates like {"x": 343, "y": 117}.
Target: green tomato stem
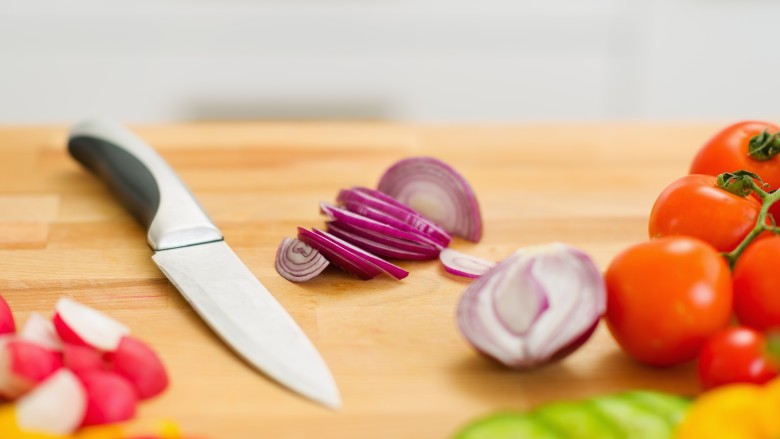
{"x": 764, "y": 146}
{"x": 768, "y": 199}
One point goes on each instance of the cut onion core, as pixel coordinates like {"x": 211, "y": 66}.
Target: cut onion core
{"x": 461, "y": 264}
{"x": 297, "y": 261}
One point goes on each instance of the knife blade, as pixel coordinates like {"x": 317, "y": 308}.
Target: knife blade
{"x": 191, "y": 252}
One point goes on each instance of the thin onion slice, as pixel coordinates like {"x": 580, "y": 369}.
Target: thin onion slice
{"x": 387, "y": 267}
{"x": 436, "y": 190}
{"x": 359, "y": 199}
{"x": 461, "y": 264}
{"x": 297, "y": 261}
{"x": 342, "y": 215}
{"x": 376, "y": 247}
{"x": 391, "y": 241}
{"x": 338, "y": 256}
{"x": 369, "y": 212}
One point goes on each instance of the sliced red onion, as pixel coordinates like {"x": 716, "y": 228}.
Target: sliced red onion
{"x": 339, "y": 256}
{"x": 461, "y": 264}
{"x": 346, "y": 217}
{"x": 538, "y": 305}
{"x": 358, "y": 253}
{"x": 358, "y": 198}
{"x": 401, "y": 244}
{"x": 376, "y": 247}
{"x": 436, "y": 190}
{"x": 297, "y": 261}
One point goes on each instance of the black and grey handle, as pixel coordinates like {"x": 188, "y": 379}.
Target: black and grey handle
{"x": 145, "y": 182}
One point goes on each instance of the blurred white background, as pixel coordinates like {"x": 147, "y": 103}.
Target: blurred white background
{"x": 406, "y": 60}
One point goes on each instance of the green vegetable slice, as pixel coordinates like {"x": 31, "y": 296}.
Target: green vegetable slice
{"x": 632, "y": 419}
{"x": 507, "y": 426}
{"x": 576, "y": 420}
{"x": 670, "y": 407}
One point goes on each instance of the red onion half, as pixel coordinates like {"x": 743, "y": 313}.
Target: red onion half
{"x": 437, "y": 191}
{"x": 296, "y": 261}
{"x": 536, "y": 306}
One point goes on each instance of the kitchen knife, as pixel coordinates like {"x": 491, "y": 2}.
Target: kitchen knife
{"x": 190, "y": 251}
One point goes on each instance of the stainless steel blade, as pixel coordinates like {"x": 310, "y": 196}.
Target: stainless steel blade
{"x": 247, "y": 317}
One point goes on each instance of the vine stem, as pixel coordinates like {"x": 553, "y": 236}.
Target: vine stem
{"x": 767, "y": 200}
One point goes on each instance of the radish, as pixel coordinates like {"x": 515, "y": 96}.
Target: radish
{"x": 38, "y": 329}
{"x": 110, "y": 398}
{"x": 82, "y": 358}
{"x": 140, "y": 365}
{"x": 7, "y": 325}
{"x": 81, "y": 325}
{"x": 24, "y": 364}
{"x": 56, "y": 406}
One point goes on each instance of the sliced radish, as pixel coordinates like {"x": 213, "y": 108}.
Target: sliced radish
{"x": 23, "y": 364}
{"x": 82, "y": 359}
{"x": 110, "y": 398}
{"x": 56, "y": 406}
{"x": 7, "y": 325}
{"x": 140, "y": 365}
{"x": 40, "y": 330}
{"x": 81, "y": 325}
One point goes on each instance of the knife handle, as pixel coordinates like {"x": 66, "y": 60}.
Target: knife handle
{"x": 145, "y": 183}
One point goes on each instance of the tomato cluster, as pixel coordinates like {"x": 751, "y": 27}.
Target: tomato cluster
{"x": 710, "y": 260}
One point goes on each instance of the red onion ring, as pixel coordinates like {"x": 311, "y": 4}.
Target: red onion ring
{"x": 461, "y": 264}
{"x": 296, "y": 261}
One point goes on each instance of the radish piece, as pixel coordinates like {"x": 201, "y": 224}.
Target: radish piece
{"x": 7, "y": 325}
{"x": 38, "y": 329}
{"x": 110, "y": 398}
{"x": 461, "y": 264}
{"x": 81, "y": 359}
{"x": 56, "y": 406}
{"x": 23, "y": 364}
{"x": 81, "y": 325}
{"x": 140, "y": 365}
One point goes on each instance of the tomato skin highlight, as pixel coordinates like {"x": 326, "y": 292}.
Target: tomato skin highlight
{"x": 666, "y": 297}
{"x": 757, "y": 285}
{"x": 695, "y": 206}
{"x": 727, "y": 151}
{"x": 735, "y": 355}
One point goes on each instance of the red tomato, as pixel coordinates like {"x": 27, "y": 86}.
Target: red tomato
{"x": 757, "y": 284}
{"x": 735, "y": 355}
{"x": 665, "y": 297}
{"x": 727, "y": 151}
{"x": 694, "y": 206}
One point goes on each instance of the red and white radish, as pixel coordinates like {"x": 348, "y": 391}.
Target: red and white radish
{"x": 140, "y": 365}
{"x": 56, "y": 406}
{"x": 81, "y": 325}
{"x": 110, "y": 398}
{"x": 82, "y": 359}
{"x": 24, "y": 364}
{"x": 7, "y": 325}
{"x": 40, "y": 330}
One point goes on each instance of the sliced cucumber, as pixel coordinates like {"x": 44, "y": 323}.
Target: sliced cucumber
{"x": 576, "y": 420}
{"x": 507, "y": 426}
{"x": 633, "y": 420}
{"x": 671, "y": 407}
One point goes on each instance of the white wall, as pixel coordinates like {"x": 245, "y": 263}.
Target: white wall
{"x": 418, "y": 60}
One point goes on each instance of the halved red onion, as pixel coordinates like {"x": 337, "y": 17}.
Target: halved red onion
{"x": 536, "y": 306}
{"x": 376, "y": 247}
{"x": 436, "y": 190}
{"x": 339, "y": 256}
{"x": 461, "y": 264}
{"x": 360, "y": 200}
{"x": 399, "y": 243}
{"x": 297, "y": 261}
{"x": 358, "y": 253}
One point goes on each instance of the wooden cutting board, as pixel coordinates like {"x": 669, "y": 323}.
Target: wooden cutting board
{"x": 403, "y": 369}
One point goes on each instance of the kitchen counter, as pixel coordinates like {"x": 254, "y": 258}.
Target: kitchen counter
{"x": 403, "y": 369}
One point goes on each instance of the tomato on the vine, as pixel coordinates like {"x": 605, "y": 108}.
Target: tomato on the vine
{"x": 735, "y": 355}
{"x": 695, "y": 206}
{"x": 757, "y": 284}
{"x": 665, "y": 297}
{"x": 727, "y": 151}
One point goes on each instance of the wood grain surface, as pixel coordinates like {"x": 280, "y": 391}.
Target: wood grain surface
{"x": 403, "y": 369}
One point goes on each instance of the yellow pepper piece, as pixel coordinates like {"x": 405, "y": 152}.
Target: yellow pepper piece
{"x": 727, "y": 412}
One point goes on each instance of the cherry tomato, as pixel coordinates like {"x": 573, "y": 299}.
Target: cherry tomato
{"x": 757, "y": 284}
{"x": 735, "y": 355}
{"x": 665, "y": 297}
{"x": 727, "y": 151}
{"x": 694, "y": 206}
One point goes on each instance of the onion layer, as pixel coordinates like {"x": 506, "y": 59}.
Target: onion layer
{"x": 536, "y": 306}
{"x": 437, "y": 191}
{"x": 296, "y": 261}
{"x": 461, "y": 264}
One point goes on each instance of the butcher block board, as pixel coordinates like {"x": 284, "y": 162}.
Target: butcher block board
{"x": 403, "y": 368}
